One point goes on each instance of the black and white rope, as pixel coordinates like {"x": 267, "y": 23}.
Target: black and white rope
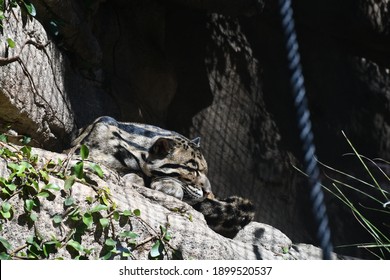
{"x": 305, "y": 128}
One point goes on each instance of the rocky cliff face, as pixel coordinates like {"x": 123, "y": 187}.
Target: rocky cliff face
{"x": 105, "y": 216}
{"x": 213, "y": 69}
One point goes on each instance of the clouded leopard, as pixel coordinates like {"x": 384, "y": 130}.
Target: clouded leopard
{"x": 167, "y": 161}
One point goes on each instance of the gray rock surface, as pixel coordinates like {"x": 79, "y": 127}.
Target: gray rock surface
{"x": 139, "y": 61}
{"x": 32, "y": 91}
{"x": 189, "y": 232}
{"x": 42, "y": 94}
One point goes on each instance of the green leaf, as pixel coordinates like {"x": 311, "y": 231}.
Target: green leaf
{"x": 129, "y": 234}
{"x": 30, "y": 240}
{"x": 166, "y": 235}
{"x": 44, "y": 176}
{"x": 137, "y": 212}
{"x": 43, "y": 194}
{"x": 107, "y": 256}
{"x": 14, "y": 167}
{"x": 88, "y": 219}
{"x": 104, "y": 222}
{"x": 54, "y": 242}
{"x": 5, "y": 243}
{"x": 3, "y": 138}
{"x": 26, "y": 150}
{"x": 5, "y": 152}
{"x": 57, "y": 219}
{"x": 84, "y": 152}
{"x": 110, "y": 242}
{"x": 34, "y": 158}
{"x": 88, "y": 251}
{"x": 25, "y": 140}
{"x": 75, "y": 217}
{"x": 104, "y": 199}
{"x": 60, "y": 175}
{"x": 51, "y": 163}
{"x": 29, "y": 204}
{"x": 33, "y": 242}
{"x": 78, "y": 170}
{"x": 22, "y": 168}
{"x": 126, "y": 253}
{"x": 75, "y": 214}
{"x": 27, "y": 166}
{"x": 116, "y": 216}
{"x": 6, "y": 210}
{"x": 30, "y": 8}
{"x": 6, "y": 215}
{"x": 97, "y": 170}
{"x": 44, "y": 249}
{"x": 33, "y": 217}
{"x": 69, "y": 182}
{"x": 52, "y": 186}
{"x": 89, "y": 199}
{"x": 11, "y": 43}
{"x": 69, "y": 201}
{"x": 19, "y": 170}
{"x": 127, "y": 213}
{"x": 156, "y": 249}
{"x": 4, "y": 191}
{"x": 12, "y": 187}
{"x": 6, "y": 206}
{"x": 98, "y": 208}
{"x": 34, "y": 184}
{"x": 4, "y": 256}
{"x": 75, "y": 245}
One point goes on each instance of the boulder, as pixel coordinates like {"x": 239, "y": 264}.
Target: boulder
{"x": 33, "y": 98}
{"x": 41, "y": 93}
{"x": 112, "y": 218}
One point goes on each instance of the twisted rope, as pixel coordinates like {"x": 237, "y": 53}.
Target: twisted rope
{"x": 305, "y": 129}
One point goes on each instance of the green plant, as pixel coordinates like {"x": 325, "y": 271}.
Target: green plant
{"x": 373, "y": 199}
{"x": 27, "y": 9}
{"x": 30, "y": 180}
{"x": 27, "y": 12}
{"x": 372, "y": 192}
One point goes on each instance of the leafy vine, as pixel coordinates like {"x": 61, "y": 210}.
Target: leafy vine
{"x": 32, "y": 182}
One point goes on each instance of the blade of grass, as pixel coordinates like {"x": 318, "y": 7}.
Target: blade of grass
{"x": 356, "y": 190}
{"x": 363, "y": 163}
{"x": 377, "y": 166}
{"x": 347, "y": 175}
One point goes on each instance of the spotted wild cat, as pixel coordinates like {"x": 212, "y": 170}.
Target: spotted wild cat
{"x": 167, "y": 161}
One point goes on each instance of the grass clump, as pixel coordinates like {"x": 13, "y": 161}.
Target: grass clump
{"x": 372, "y": 208}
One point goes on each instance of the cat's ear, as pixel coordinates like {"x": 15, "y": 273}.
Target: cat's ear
{"x": 196, "y": 141}
{"x": 161, "y": 147}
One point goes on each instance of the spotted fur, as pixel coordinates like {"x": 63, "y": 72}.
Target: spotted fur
{"x": 236, "y": 211}
{"x": 167, "y": 161}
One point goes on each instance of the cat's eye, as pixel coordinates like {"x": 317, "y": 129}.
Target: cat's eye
{"x": 194, "y": 164}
